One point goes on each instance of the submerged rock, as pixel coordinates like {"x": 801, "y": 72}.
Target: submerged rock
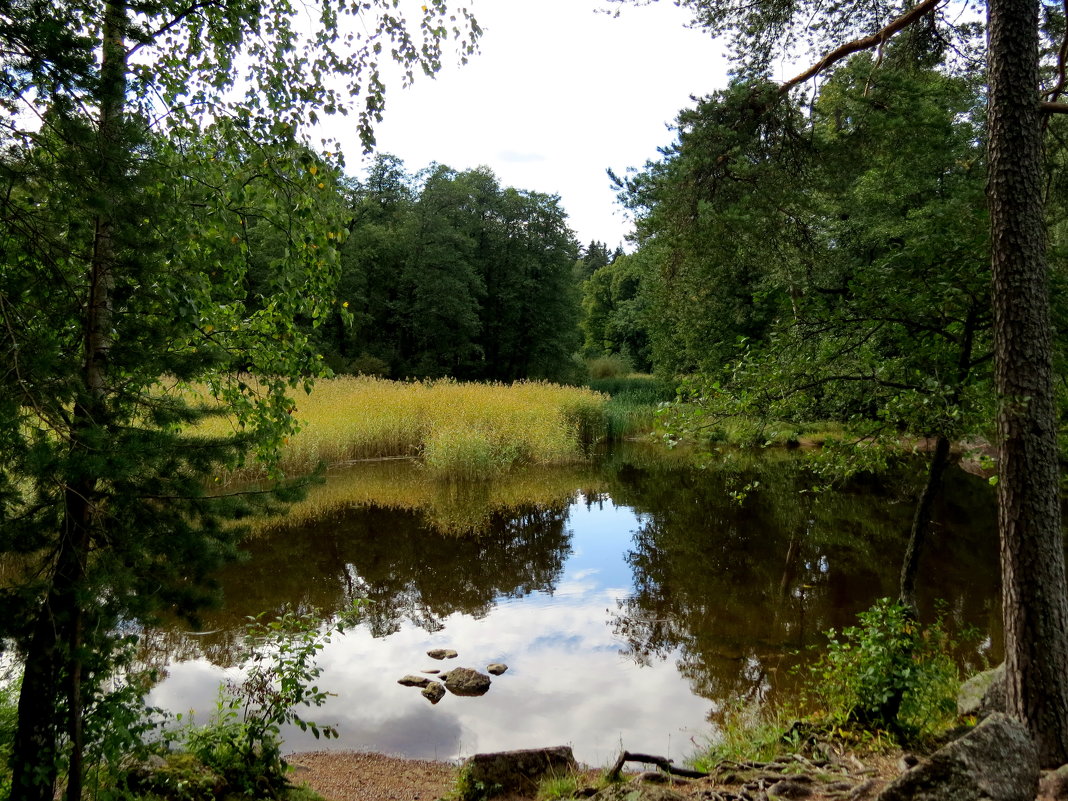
{"x": 465, "y": 681}
{"x": 433, "y": 692}
{"x": 414, "y": 681}
{"x": 497, "y": 668}
{"x": 442, "y": 653}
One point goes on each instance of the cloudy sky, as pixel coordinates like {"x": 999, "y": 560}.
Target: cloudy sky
{"x": 558, "y": 93}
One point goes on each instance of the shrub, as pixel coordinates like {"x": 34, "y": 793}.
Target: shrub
{"x": 889, "y": 673}
{"x": 238, "y": 752}
{"x": 614, "y": 365}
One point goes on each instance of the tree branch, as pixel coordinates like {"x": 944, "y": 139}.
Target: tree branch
{"x": 153, "y": 35}
{"x": 866, "y": 43}
{"x": 1062, "y": 56}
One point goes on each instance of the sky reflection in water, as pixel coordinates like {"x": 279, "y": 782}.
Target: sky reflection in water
{"x": 567, "y": 681}
{"x": 625, "y": 619}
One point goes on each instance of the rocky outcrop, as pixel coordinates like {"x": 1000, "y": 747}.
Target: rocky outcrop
{"x": 995, "y": 761}
{"x": 983, "y": 693}
{"x": 465, "y": 681}
{"x": 516, "y": 771}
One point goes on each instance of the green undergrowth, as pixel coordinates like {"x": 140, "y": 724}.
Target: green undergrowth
{"x": 148, "y": 755}
{"x": 887, "y": 682}
{"x": 633, "y": 405}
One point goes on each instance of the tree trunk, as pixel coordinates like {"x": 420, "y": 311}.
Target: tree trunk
{"x": 921, "y": 524}
{"x": 1035, "y": 604}
{"x": 54, "y": 662}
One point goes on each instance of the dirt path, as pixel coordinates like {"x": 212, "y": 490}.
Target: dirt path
{"x": 349, "y": 776}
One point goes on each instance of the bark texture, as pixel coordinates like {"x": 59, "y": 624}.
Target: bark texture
{"x": 52, "y": 700}
{"x": 1032, "y": 562}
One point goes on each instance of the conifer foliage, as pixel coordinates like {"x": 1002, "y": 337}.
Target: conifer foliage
{"x": 152, "y": 160}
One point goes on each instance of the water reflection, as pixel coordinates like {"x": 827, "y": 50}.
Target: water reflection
{"x": 742, "y": 590}
{"x": 627, "y": 611}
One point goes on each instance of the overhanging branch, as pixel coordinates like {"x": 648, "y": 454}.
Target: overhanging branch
{"x": 866, "y": 43}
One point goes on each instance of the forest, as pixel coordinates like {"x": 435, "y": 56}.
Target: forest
{"x": 878, "y": 244}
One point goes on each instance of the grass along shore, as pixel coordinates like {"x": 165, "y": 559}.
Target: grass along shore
{"x": 457, "y": 430}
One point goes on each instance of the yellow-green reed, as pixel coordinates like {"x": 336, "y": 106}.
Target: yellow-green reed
{"x": 457, "y": 430}
{"x": 448, "y": 507}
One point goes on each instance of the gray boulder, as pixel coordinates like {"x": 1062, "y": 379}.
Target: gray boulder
{"x": 496, "y": 668}
{"x": 516, "y": 771}
{"x": 995, "y": 761}
{"x": 433, "y": 692}
{"x": 465, "y": 681}
{"x": 983, "y": 693}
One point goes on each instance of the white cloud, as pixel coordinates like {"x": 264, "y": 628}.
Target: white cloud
{"x": 580, "y": 90}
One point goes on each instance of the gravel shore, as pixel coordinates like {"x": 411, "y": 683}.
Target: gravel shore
{"x": 349, "y": 776}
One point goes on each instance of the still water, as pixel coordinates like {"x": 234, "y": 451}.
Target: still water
{"x": 631, "y": 598}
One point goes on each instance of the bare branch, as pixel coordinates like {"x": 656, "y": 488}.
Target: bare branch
{"x": 166, "y": 27}
{"x": 866, "y": 43}
{"x": 1062, "y": 56}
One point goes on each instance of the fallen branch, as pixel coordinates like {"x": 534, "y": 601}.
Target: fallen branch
{"x": 661, "y": 762}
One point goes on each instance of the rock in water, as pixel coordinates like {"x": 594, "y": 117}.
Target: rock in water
{"x": 465, "y": 681}
{"x": 414, "y": 681}
{"x": 442, "y": 653}
{"x": 995, "y": 761}
{"x": 518, "y": 771}
{"x": 433, "y": 692}
{"x": 497, "y": 668}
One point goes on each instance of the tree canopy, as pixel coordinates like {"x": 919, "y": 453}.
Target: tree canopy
{"x": 165, "y": 230}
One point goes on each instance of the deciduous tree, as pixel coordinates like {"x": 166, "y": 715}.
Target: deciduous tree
{"x": 143, "y": 145}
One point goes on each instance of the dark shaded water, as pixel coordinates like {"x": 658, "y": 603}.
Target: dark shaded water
{"x": 631, "y": 599}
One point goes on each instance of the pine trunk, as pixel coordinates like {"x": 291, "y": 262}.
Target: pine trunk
{"x": 52, "y": 699}
{"x": 1032, "y": 558}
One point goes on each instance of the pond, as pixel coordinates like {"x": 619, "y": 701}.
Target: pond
{"x": 631, "y": 598}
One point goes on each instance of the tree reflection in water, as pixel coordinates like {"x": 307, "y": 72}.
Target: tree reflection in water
{"x": 402, "y": 568}
{"x": 741, "y": 590}
{"x": 735, "y": 592}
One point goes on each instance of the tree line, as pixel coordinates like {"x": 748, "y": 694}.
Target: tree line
{"x": 800, "y": 266}
{"x": 447, "y": 273}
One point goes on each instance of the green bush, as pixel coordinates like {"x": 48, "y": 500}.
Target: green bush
{"x": 238, "y": 752}
{"x": 9, "y": 699}
{"x": 612, "y": 366}
{"x": 889, "y": 673}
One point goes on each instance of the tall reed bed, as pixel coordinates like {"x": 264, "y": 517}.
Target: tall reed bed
{"x": 457, "y": 430}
